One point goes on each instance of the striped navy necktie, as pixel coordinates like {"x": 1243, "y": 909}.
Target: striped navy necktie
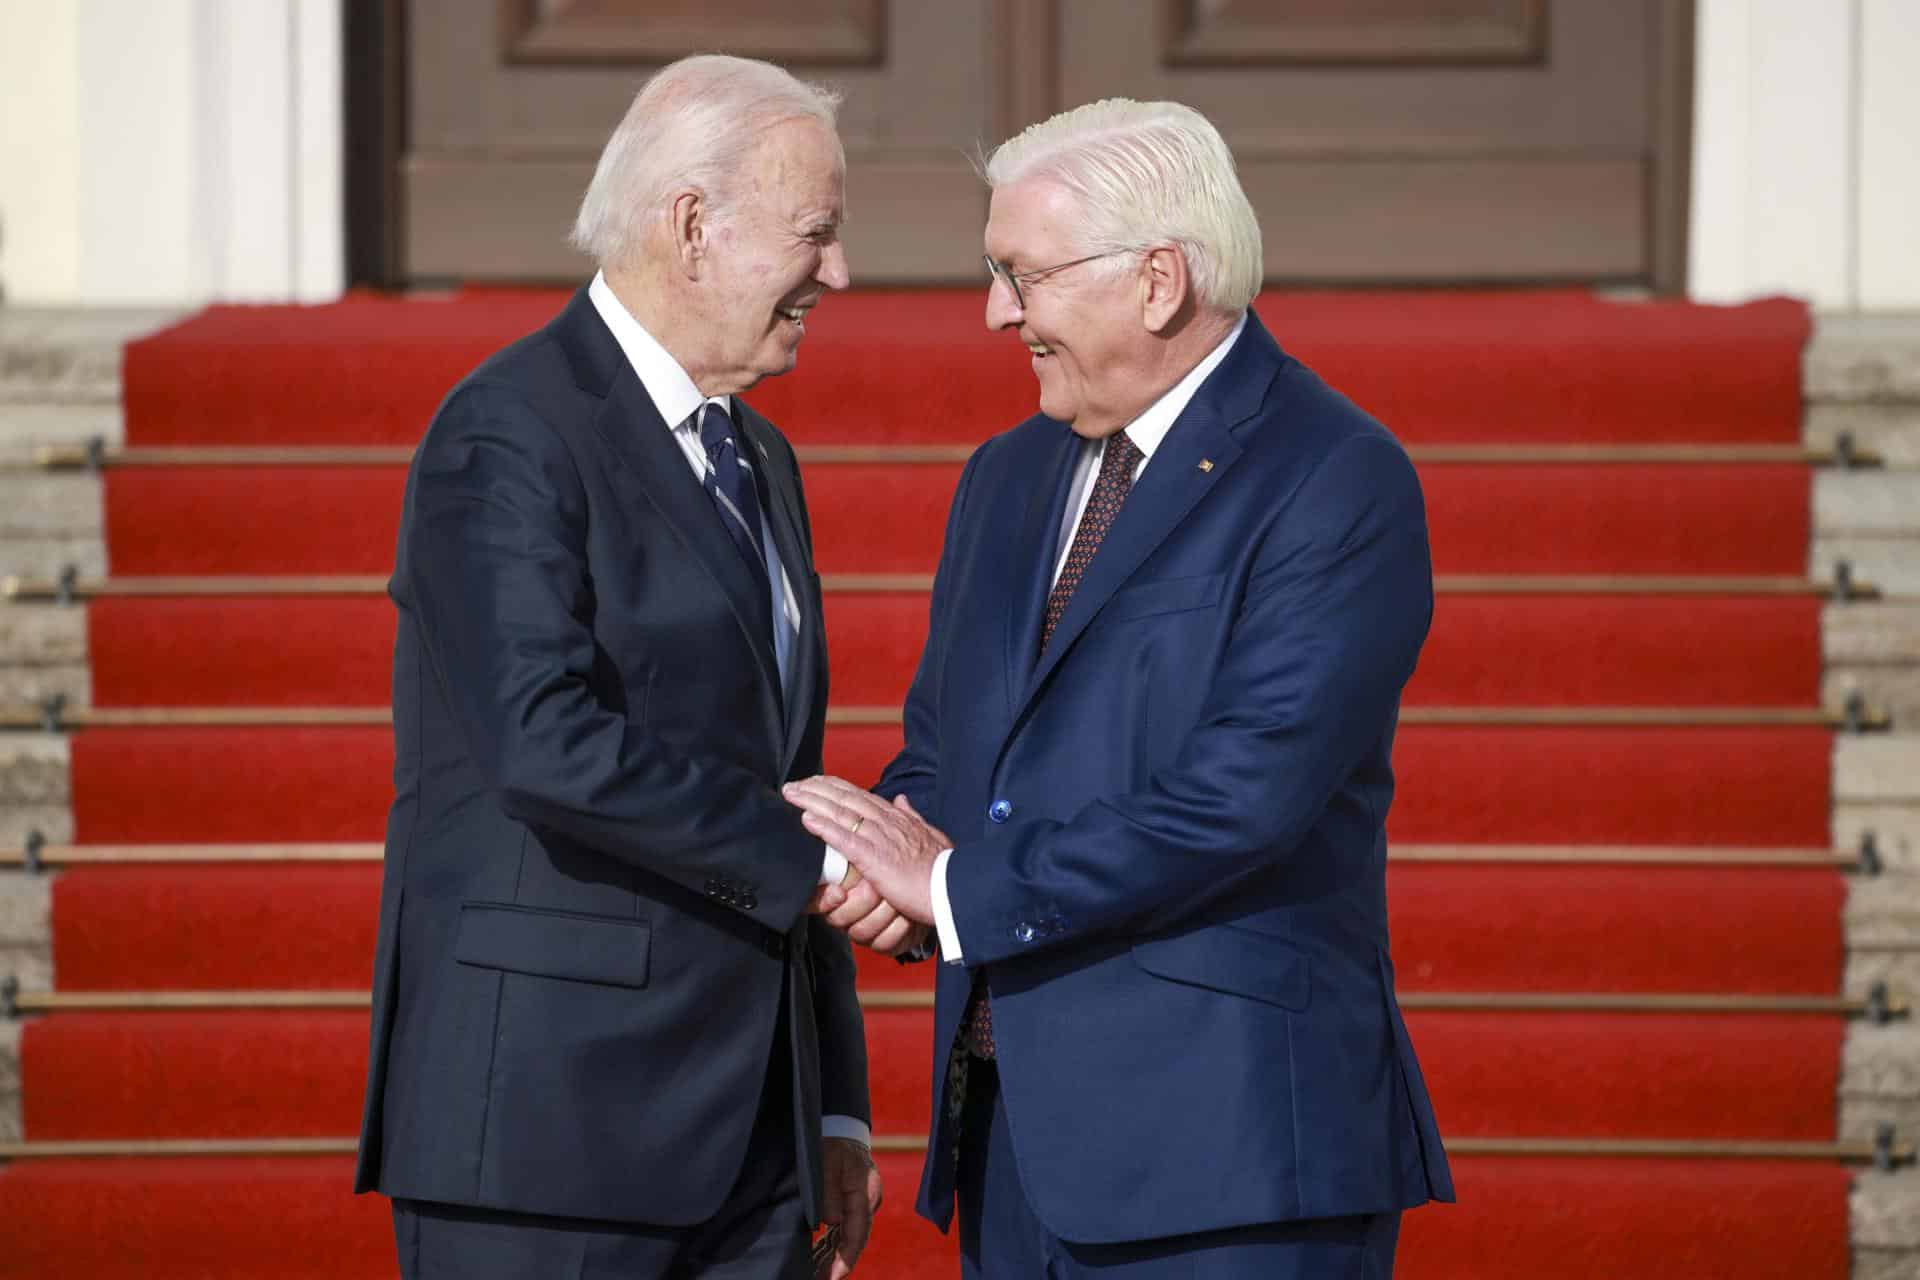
{"x": 730, "y": 484}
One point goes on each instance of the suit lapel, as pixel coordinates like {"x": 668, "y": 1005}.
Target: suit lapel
{"x": 1030, "y": 567}
{"x": 634, "y": 433}
{"x": 785, "y": 526}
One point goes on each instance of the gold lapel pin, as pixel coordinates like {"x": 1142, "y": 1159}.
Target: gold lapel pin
{"x": 1206, "y": 464}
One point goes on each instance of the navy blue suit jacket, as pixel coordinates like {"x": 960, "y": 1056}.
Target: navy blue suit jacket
{"x": 1170, "y": 852}
{"x": 593, "y": 904}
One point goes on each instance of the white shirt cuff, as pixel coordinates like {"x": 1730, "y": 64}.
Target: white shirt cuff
{"x": 846, "y": 1127}
{"x": 943, "y": 912}
{"x": 834, "y": 868}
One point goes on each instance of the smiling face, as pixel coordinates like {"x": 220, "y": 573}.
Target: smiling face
{"x": 1090, "y": 348}
{"x": 772, "y": 258}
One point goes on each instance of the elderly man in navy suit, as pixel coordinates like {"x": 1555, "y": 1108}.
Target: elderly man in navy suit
{"x": 611, "y": 1034}
{"x": 1169, "y": 632}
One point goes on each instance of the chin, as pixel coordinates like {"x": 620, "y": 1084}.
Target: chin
{"x": 776, "y": 363}
{"x": 1055, "y": 409}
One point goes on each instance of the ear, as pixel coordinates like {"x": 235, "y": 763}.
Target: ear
{"x": 687, "y": 227}
{"x": 1163, "y": 287}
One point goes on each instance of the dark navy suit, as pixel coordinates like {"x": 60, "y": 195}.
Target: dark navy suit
{"x": 592, "y": 947}
{"x": 1170, "y": 848}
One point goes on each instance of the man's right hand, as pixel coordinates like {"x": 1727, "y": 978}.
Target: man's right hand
{"x": 856, "y": 907}
{"x": 871, "y": 920}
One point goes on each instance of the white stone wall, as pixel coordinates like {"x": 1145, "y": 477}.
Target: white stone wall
{"x": 171, "y": 151}
{"x": 1806, "y": 161}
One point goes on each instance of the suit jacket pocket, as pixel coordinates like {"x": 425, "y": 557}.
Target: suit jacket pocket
{"x": 554, "y": 944}
{"x": 1236, "y": 961}
{"x": 1168, "y": 595}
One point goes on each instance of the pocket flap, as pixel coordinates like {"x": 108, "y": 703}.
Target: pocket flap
{"x": 1168, "y": 595}
{"x": 1235, "y": 961}
{"x": 554, "y": 944}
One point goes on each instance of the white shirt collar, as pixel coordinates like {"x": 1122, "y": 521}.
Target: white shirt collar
{"x": 1151, "y": 427}
{"x": 665, "y": 382}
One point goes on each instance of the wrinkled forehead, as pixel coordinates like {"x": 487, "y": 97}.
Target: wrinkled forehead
{"x": 800, "y": 164}
{"x": 1032, "y": 222}
{"x": 803, "y": 156}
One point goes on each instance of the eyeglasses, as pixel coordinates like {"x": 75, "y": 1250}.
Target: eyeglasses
{"x": 1002, "y": 272}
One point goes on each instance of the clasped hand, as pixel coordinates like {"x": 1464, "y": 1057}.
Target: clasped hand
{"x": 886, "y": 901}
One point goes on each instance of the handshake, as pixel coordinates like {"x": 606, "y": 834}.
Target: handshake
{"x": 886, "y": 900}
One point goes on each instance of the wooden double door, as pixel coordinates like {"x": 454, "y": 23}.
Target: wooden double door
{"x": 1382, "y": 141}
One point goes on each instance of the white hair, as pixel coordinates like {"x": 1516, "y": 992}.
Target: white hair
{"x": 1147, "y": 174}
{"x": 692, "y": 126}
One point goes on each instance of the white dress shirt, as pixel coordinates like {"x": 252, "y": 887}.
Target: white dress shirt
{"x": 679, "y": 404}
{"x": 1147, "y": 432}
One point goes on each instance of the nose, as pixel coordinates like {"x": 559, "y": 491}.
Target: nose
{"x": 1003, "y": 311}
{"x": 833, "y": 271}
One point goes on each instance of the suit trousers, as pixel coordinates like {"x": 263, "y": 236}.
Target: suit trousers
{"x": 759, "y": 1233}
{"x": 1001, "y": 1239}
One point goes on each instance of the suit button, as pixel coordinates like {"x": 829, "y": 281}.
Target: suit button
{"x": 1000, "y": 810}
{"x": 1023, "y": 932}
{"x": 747, "y": 902}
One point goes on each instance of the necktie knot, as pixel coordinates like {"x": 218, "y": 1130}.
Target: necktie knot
{"x": 1122, "y": 452}
{"x": 730, "y": 484}
{"x": 716, "y": 433}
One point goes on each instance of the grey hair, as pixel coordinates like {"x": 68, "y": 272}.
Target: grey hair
{"x": 691, "y": 126}
{"x": 1147, "y": 174}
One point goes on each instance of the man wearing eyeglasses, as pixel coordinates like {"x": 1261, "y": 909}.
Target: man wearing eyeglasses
{"x": 1171, "y": 624}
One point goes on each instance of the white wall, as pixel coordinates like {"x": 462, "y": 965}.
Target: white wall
{"x": 39, "y": 172}
{"x": 171, "y": 151}
{"x": 1806, "y": 163}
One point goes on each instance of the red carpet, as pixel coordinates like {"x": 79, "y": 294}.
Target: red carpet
{"x": 1518, "y": 1219}
{"x": 1455, "y": 928}
{"x": 1520, "y": 785}
{"x": 1566, "y": 650}
{"x": 244, "y": 1073}
{"x": 1522, "y": 368}
{"x": 1545, "y": 367}
{"x": 1669, "y": 518}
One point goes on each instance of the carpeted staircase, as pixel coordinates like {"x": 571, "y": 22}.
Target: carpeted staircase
{"x": 1616, "y": 912}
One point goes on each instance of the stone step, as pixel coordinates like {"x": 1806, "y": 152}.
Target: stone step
{"x": 69, "y": 355}
{"x": 34, "y": 793}
{"x": 1868, "y": 504}
{"x": 26, "y": 929}
{"x": 9, "y": 1081}
{"x": 1863, "y": 357}
{"x": 1880, "y": 1079}
{"x": 1885, "y": 1213}
{"x": 1892, "y": 431}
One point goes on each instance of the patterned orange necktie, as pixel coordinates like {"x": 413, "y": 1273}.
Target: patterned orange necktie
{"x": 1110, "y": 489}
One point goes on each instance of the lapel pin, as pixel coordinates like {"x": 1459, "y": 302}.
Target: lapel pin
{"x": 1206, "y": 464}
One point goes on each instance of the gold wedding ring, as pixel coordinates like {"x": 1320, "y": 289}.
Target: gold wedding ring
{"x": 854, "y": 830}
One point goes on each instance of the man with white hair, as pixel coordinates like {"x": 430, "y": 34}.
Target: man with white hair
{"x": 1171, "y": 624}
{"x": 611, "y": 1034}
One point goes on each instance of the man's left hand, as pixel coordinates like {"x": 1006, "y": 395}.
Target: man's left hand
{"x": 852, "y": 1198}
{"x": 894, "y": 847}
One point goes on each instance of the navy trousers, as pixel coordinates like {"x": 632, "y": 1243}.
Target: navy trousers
{"x": 759, "y": 1233}
{"x": 1001, "y": 1239}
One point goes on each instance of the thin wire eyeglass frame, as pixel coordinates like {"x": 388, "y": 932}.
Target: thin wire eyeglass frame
{"x": 1002, "y": 272}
